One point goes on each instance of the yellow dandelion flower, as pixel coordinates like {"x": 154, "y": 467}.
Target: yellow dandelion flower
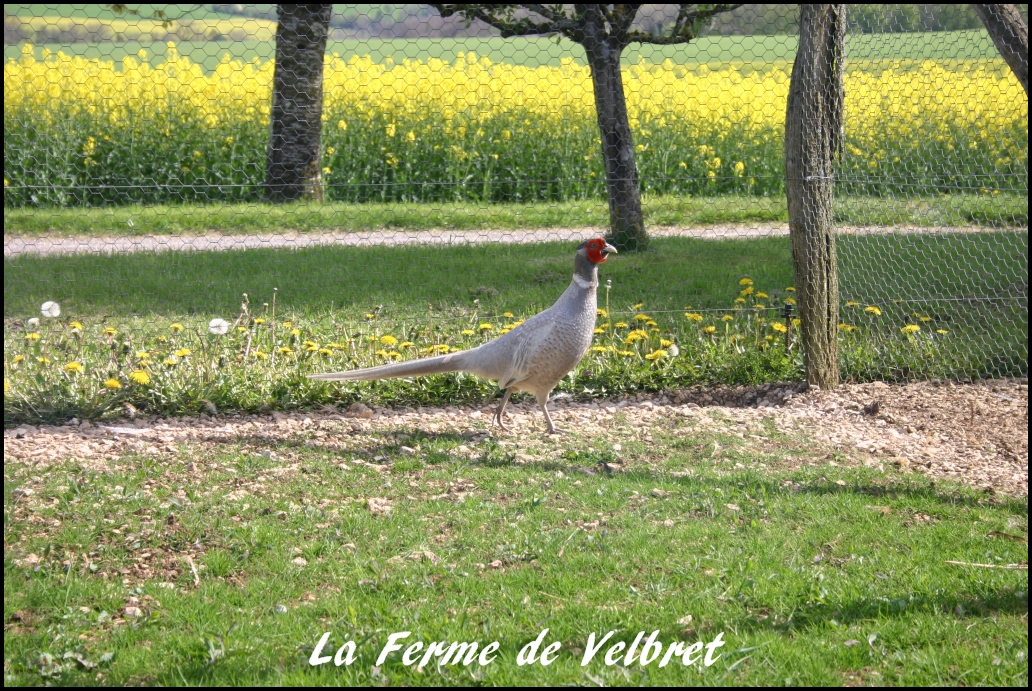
{"x": 7, "y": 384}
{"x": 43, "y": 360}
{"x": 852, "y": 303}
{"x": 259, "y": 321}
{"x": 910, "y": 329}
{"x": 790, "y": 289}
{"x": 507, "y": 314}
{"x": 642, "y": 317}
{"x": 139, "y": 377}
{"x": 325, "y": 351}
{"x": 759, "y": 306}
{"x": 657, "y": 354}
{"x": 621, "y": 325}
{"x": 284, "y": 350}
{"x": 790, "y": 301}
{"x": 797, "y": 321}
{"x": 709, "y": 329}
{"x": 504, "y": 331}
{"x": 600, "y": 331}
{"x": 727, "y": 317}
{"x": 182, "y": 352}
{"x": 310, "y": 347}
{"x": 74, "y": 367}
{"x": 32, "y": 336}
{"x": 467, "y": 332}
{"x": 747, "y": 292}
{"x": 486, "y": 327}
{"x": 370, "y": 315}
{"x": 110, "y": 331}
{"x": 259, "y": 355}
{"x": 406, "y": 344}
{"x": 779, "y": 327}
{"x": 75, "y": 326}
{"x": 739, "y": 301}
{"x": 638, "y": 306}
{"x": 626, "y": 353}
{"x": 170, "y": 362}
{"x": 174, "y": 326}
{"x": 926, "y": 319}
{"x": 761, "y": 296}
{"x": 693, "y": 316}
{"x": 17, "y": 359}
{"x": 942, "y": 331}
{"x": 602, "y": 313}
{"x": 871, "y": 309}
{"x": 295, "y": 332}
{"x": 745, "y": 281}
{"x": 599, "y": 349}
{"x": 112, "y": 384}
{"x": 287, "y": 325}
{"x": 388, "y": 340}
{"x": 665, "y": 343}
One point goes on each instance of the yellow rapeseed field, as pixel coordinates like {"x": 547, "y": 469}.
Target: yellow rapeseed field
{"x": 473, "y": 128}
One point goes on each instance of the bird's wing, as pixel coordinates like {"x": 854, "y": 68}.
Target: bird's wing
{"x": 528, "y": 342}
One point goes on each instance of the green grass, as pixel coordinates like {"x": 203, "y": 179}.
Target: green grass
{"x": 429, "y": 296}
{"x": 1002, "y": 211}
{"x": 535, "y": 52}
{"x": 814, "y": 575}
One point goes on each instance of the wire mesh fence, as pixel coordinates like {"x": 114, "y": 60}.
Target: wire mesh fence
{"x": 453, "y": 171}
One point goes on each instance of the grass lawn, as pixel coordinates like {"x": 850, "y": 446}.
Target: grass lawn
{"x": 1003, "y": 211}
{"x": 811, "y": 572}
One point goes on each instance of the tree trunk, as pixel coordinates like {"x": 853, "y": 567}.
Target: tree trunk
{"x": 292, "y": 168}
{"x": 1009, "y": 33}
{"x": 813, "y": 131}
{"x": 626, "y": 223}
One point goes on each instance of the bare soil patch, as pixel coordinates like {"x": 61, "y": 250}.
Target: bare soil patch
{"x": 976, "y": 433}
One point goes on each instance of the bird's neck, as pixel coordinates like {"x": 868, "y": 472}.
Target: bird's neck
{"x": 585, "y": 273}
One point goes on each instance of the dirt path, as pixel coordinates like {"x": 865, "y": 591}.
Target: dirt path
{"x": 972, "y": 433}
{"x": 215, "y": 241}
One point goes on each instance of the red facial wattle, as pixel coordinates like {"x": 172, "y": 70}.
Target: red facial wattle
{"x": 595, "y": 251}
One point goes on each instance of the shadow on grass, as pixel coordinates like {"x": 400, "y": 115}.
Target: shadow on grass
{"x": 946, "y": 494}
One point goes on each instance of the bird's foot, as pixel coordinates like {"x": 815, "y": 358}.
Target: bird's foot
{"x": 498, "y": 420}
{"x": 557, "y": 430}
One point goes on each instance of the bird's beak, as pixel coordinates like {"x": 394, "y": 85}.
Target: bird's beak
{"x": 609, "y": 249}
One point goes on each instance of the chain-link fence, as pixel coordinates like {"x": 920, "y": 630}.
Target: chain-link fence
{"x": 450, "y": 172}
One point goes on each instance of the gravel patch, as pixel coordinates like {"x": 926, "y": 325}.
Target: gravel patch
{"x": 16, "y": 245}
{"x": 976, "y": 433}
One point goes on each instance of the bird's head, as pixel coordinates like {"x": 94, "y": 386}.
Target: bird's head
{"x": 596, "y": 250}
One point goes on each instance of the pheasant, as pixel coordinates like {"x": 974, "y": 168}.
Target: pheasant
{"x": 534, "y": 356}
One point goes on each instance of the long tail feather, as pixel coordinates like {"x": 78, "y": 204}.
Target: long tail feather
{"x": 453, "y": 362}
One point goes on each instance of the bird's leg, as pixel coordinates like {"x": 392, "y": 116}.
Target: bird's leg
{"x": 552, "y": 429}
{"x": 501, "y": 409}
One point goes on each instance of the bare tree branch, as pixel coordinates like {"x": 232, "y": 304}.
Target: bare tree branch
{"x": 689, "y": 21}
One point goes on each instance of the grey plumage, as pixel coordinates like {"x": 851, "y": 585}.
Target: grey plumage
{"x": 534, "y": 356}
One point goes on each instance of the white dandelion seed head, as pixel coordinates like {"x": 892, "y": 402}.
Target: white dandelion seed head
{"x": 50, "y": 309}
{"x": 218, "y": 327}
{"x": 33, "y": 323}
